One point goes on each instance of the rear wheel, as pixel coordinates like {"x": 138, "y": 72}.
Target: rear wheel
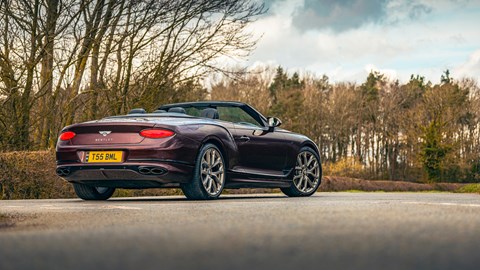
{"x": 93, "y": 193}
{"x": 307, "y": 176}
{"x": 209, "y": 177}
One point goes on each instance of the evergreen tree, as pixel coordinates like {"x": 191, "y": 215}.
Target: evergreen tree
{"x": 279, "y": 82}
{"x": 434, "y": 151}
{"x": 287, "y": 98}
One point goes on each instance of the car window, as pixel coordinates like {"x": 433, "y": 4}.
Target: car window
{"x": 237, "y": 115}
{"x": 194, "y": 111}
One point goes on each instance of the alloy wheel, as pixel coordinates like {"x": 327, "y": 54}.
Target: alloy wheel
{"x": 212, "y": 172}
{"x": 307, "y": 172}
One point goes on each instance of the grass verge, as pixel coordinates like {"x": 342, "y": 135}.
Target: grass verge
{"x": 469, "y": 188}
{"x": 332, "y": 183}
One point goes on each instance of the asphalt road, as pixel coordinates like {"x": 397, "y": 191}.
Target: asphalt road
{"x": 326, "y": 231}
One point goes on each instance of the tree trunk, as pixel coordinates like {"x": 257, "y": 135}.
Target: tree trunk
{"x": 46, "y": 79}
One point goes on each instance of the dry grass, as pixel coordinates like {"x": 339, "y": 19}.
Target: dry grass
{"x": 331, "y": 183}
{"x": 469, "y": 188}
{"x": 31, "y": 175}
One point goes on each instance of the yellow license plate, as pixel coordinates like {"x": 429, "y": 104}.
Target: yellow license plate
{"x": 104, "y": 156}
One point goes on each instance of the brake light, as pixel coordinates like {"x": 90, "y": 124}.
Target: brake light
{"x": 67, "y": 135}
{"x": 156, "y": 133}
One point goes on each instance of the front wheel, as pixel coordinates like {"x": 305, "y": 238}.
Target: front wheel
{"x": 307, "y": 176}
{"x": 208, "y": 179}
{"x": 93, "y": 193}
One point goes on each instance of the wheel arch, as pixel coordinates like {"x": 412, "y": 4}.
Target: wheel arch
{"x": 311, "y": 145}
{"x": 219, "y": 144}
{"x": 315, "y": 148}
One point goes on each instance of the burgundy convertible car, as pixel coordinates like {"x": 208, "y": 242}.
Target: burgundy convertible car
{"x": 201, "y": 147}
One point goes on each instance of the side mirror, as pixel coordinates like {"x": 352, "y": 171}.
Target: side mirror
{"x": 273, "y": 122}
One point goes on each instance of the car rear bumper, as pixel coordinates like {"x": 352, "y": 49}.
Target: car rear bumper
{"x": 127, "y": 175}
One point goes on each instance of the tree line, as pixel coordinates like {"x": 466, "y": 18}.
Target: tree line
{"x": 379, "y": 129}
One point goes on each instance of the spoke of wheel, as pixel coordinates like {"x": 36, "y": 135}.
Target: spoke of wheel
{"x": 313, "y": 171}
{"x": 205, "y": 180}
{"x": 299, "y": 161}
{"x": 217, "y": 172}
{"x": 212, "y": 157}
{"x": 218, "y": 175}
{"x": 300, "y": 183}
{"x": 217, "y": 161}
{"x": 214, "y": 186}
{"x": 207, "y": 157}
{"x": 312, "y": 183}
{"x": 209, "y": 184}
{"x": 305, "y": 187}
{"x": 310, "y": 160}
{"x": 314, "y": 166}
{"x": 216, "y": 180}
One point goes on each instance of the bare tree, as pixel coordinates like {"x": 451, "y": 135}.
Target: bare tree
{"x": 63, "y": 61}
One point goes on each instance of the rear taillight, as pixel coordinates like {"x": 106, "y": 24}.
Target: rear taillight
{"x": 156, "y": 133}
{"x": 67, "y": 135}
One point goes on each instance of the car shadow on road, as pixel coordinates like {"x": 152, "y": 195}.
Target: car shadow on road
{"x": 179, "y": 198}
{"x": 183, "y": 199}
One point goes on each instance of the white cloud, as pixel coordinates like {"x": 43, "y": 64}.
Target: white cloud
{"x": 469, "y": 68}
{"x": 425, "y": 43}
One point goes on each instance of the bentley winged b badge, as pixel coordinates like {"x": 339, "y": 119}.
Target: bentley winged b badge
{"x": 104, "y": 133}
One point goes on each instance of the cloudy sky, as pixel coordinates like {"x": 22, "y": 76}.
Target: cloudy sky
{"x": 346, "y": 39}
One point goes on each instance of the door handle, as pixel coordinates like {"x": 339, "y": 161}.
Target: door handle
{"x": 245, "y": 138}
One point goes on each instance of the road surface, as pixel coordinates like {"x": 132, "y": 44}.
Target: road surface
{"x": 325, "y": 231}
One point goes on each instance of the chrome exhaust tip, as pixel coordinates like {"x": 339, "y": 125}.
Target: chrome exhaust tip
{"x": 151, "y": 170}
{"x": 62, "y": 172}
{"x": 144, "y": 170}
{"x": 157, "y": 171}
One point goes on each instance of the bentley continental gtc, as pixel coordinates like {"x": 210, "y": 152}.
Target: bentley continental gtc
{"x": 200, "y": 147}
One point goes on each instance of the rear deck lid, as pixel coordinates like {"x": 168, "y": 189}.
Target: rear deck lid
{"x": 109, "y": 132}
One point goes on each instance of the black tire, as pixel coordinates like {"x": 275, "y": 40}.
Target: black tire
{"x": 302, "y": 171}
{"x": 196, "y": 189}
{"x": 90, "y": 193}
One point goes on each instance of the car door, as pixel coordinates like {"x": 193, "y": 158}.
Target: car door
{"x": 260, "y": 151}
